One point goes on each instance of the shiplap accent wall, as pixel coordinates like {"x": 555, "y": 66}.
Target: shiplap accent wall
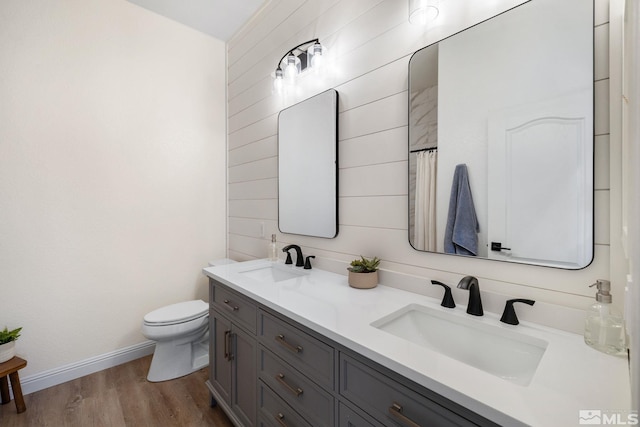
{"x": 370, "y": 43}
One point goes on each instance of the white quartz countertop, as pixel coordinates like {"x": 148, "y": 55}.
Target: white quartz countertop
{"x": 571, "y": 376}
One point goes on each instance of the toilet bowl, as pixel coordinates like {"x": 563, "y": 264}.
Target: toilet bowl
{"x": 181, "y": 332}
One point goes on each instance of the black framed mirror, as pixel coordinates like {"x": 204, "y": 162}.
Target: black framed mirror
{"x": 501, "y": 138}
{"x": 308, "y": 167}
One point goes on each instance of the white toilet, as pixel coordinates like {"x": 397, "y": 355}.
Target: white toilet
{"x": 181, "y": 332}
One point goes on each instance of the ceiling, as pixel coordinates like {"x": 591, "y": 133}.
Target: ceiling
{"x": 218, "y": 18}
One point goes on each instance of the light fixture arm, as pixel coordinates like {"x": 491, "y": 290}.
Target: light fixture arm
{"x": 292, "y": 50}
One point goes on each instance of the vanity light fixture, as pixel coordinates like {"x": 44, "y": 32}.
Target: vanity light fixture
{"x": 422, "y": 12}
{"x": 307, "y": 55}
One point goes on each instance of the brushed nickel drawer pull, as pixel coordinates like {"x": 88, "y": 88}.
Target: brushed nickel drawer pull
{"x": 296, "y": 391}
{"x": 280, "y": 419}
{"x": 281, "y": 340}
{"x": 396, "y": 411}
{"x": 231, "y": 307}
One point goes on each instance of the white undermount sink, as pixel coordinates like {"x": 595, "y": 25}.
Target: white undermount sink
{"x": 271, "y": 273}
{"x": 497, "y": 350}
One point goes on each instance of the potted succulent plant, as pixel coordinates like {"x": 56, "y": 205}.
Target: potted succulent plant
{"x": 8, "y": 343}
{"x": 363, "y": 273}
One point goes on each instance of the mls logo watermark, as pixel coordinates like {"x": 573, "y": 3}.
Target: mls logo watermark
{"x": 590, "y": 417}
{"x": 598, "y": 417}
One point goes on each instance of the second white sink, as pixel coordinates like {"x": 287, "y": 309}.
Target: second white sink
{"x": 499, "y": 351}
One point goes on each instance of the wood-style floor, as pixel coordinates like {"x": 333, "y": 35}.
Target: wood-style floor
{"x": 119, "y": 396}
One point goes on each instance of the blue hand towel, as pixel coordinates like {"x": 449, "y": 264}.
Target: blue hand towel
{"x": 461, "y": 234}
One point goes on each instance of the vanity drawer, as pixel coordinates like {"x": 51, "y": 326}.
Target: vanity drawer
{"x": 296, "y": 347}
{"x": 274, "y": 412}
{"x": 350, "y": 418}
{"x": 236, "y": 307}
{"x": 312, "y": 402}
{"x": 393, "y": 403}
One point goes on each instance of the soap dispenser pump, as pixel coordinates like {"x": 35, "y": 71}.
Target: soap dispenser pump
{"x": 603, "y": 325}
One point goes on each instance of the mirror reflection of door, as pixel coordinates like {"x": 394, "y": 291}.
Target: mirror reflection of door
{"x": 539, "y": 183}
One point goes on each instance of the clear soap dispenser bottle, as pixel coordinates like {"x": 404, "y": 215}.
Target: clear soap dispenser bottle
{"x": 272, "y": 252}
{"x": 603, "y": 325}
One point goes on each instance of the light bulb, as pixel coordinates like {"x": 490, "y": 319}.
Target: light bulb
{"x": 278, "y": 81}
{"x": 291, "y": 67}
{"x": 317, "y": 54}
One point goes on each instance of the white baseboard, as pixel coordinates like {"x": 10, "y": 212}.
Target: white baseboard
{"x": 46, "y": 379}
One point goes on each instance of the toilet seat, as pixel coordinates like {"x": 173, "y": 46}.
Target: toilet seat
{"x": 177, "y": 313}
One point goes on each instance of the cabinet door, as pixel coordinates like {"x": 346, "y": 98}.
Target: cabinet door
{"x": 220, "y": 362}
{"x": 244, "y": 376}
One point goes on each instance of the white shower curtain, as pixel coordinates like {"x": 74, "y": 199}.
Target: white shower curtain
{"x": 425, "y": 206}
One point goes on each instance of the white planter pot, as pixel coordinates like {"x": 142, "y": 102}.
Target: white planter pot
{"x": 7, "y": 351}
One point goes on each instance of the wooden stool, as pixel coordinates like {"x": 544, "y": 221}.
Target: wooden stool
{"x": 11, "y": 368}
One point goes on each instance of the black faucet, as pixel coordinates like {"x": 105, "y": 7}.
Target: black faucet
{"x": 447, "y": 299}
{"x": 299, "y": 257}
{"x": 509, "y": 313}
{"x": 474, "y": 306}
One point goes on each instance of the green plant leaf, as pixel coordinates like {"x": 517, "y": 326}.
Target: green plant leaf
{"x": 7, "y": 336}
{"x": 364, "y": 265}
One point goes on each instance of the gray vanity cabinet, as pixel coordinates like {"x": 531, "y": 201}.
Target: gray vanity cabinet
{"x": 232, "y": 368}
{"x": 283, "y": 374}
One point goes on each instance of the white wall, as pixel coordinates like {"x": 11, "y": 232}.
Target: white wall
{"x": 371, "y": 42}
{"x": 112, "y": 172}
